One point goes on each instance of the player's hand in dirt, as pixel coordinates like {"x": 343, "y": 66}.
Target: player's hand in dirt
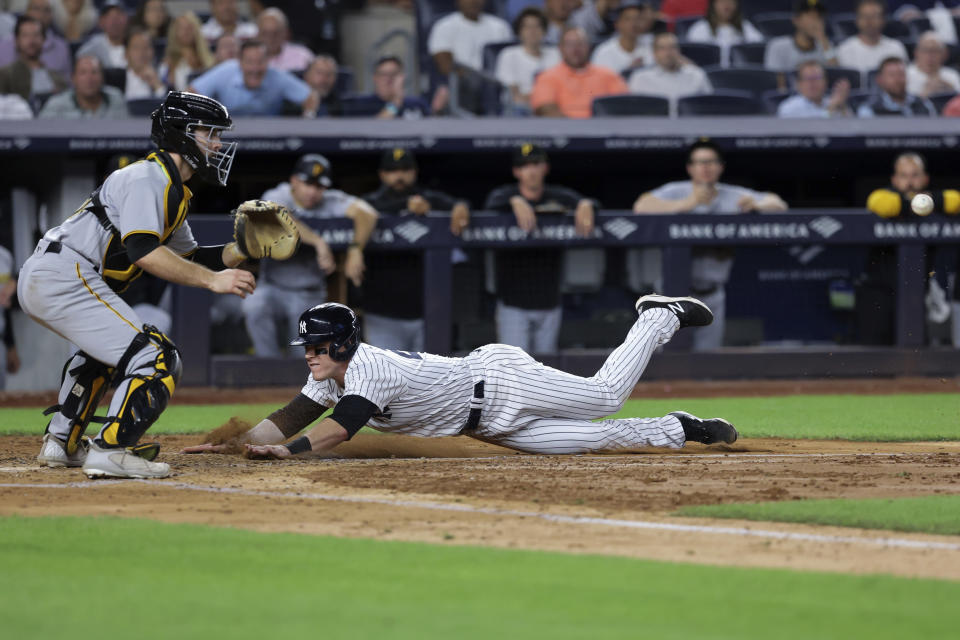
{"x": 236, "y": 281}
{"x": 206, "y": 447}
{"x": 267, "y": 451}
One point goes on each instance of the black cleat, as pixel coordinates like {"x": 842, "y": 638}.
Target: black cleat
{"x": 709, "y": 431}
{"x": 690, "y": 311}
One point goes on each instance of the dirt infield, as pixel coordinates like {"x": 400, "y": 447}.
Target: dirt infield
{"x": 460, "y": 491}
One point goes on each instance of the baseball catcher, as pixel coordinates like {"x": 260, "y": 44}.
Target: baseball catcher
{"x": 134, "y": 222}
{"x": 497, "y": 394}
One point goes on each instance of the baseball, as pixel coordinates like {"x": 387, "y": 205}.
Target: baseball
{"x": 922, "y": 204}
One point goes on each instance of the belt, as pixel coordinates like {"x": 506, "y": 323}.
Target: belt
{"x": 476, "y": 405}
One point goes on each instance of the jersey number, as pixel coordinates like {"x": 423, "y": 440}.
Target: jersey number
{"x": 407, "y": 354}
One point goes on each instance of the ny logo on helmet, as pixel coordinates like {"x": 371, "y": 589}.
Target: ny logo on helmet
{"x": 303, "y": 326}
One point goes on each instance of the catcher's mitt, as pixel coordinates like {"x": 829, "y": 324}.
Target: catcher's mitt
{"x": 265, "y": 229}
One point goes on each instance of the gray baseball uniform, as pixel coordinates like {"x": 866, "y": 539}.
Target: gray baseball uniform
{"x": 286, "y": 288}
{"x": 70, "y": 283}
{"x": 522, "y": 403}
{"x": 709, "y": 268}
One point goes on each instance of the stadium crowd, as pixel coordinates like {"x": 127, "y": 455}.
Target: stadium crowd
{"x": 554, "y": 58}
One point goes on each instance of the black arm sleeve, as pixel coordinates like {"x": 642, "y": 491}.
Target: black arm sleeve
{"x": 8, "y": 329}
{"x": 140, "y": 244}
{"x": 499, "y": 198}
{"x": 352, "y": 412}
{"x": 298, "y": 413}
{"x": 210, "y": 257}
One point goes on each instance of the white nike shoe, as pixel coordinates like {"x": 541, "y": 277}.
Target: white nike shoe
{"x": 53, "y": 453}
{"x": 120, "y": 462}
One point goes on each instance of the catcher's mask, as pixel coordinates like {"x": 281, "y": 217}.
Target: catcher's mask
{"x": 191, "y": 125}
{"x": 330, "y": 322}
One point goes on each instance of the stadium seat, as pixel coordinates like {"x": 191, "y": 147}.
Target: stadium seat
{"x": 748, "y": 53}
{"x": 360, "y": 106}
{"x": 701, "y": 53}
{"x": 754, "y": 79}
{"x": 853, "y": 75}
{"x": 115, "y": 77}
{"x": 490, "y": 53}
{"x": 751, "y": 8}
{"x": 631, "y": 105}
{"x": 682, "y": 24}
{"x": 344, "y": 85}
{"x": 871, "y": 79}
{"x": 726, "y": 102}
{"x": 940, "y": 100}
{"x": 919, "y": 25}
{"x": 772, "y": 99}
{"x": 845, "y": 25}
{"x": 857, "y": 98}
{"x": 143, "y": 106}
{"x": 774, "y": 24}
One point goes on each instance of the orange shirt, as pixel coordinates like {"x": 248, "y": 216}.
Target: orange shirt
{"x": 573, "y": 90}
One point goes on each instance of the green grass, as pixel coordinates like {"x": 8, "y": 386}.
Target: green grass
{"x": 108, "y": 578}
{"x": 928, "y": 514}
{"x": 904, "y": 417}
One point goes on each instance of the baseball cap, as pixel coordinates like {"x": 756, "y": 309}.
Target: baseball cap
{"x": 397, "y": 160}
{"x": 112, "y": 4}
{"x": 313, "y": 167}
{"x": 631, "y": 4}
{"x": 804, "y": 6}
{"x": 528, "y": 153}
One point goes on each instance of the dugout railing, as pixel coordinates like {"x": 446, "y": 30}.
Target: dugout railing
{"x": 675, "y": 235}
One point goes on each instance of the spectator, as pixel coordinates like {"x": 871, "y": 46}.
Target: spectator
{"x": 808, "y": 42}
{"x": 567, "y": 90}
{"x": 632, "y": 46}
{"x": 928, "y": 75}
{"x": 389, "y": 99}
{"x": 285, "y": 289}
{"x": 528, "y": 280}
{"x": 28, "y": 77}
{"x": 224, "y": 19}
{"x": 593, "y": 17}
{"x": 187, "y": 52}
{"x": 274, "y": 32}
{"x": 74, "y": 18}
{"x": 393, "y": 291}
{"x": 673, "y": 9}
{"x": 321, "y": 77}
{"x": 56, "y": 53}
{"x": 459, "y": 38}
{"x": 248, "y": 87}
{"x": 704, "y": 193}
{"x": 518, "y": 65}
{"x": 108, "y": 46}
{"x": 866, "y": 50}
{"x": 952, "y": 108}
{"x": 89, "y": 98}
{"x": 671, "y": 76}
{"x": 143, "y": 80}
{"x": 153, "y": 17}
{"x": 891, "y": 98}
{"x": 557, "y": 14}
{"x": 811, "y": 100}
{"x": 227, "y": 48}
{"x": 724, "y": 26}
{"x": 877, "y": 286}
{"x": 13, "y": 107}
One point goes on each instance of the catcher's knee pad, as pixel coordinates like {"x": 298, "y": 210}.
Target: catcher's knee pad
{"x": 90, "y": 380}
{"x": 145, "y": 395}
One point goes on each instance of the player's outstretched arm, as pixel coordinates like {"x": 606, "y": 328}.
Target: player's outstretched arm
{"x": 164, "y": 263}
{"x": 323, "y": 437}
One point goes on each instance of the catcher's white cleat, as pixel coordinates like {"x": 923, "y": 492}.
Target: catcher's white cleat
{"x": 53, "y": 453}
{"x": 120, "y": 462}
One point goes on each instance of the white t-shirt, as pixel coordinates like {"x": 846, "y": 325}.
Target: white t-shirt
{"x": 136, "y": 88}
{"x": 517, "y": 67}
{"x": 725, "y": 38}
{"x": 656, "y": 81}
{"x": 212, "y": 30}
{"x": 612, "y": 55}
{"x": 856, "y": 54}
{"x": 917, "y": 80}
{"x": 465, "y": 39}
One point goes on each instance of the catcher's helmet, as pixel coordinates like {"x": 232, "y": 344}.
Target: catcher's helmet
{"x": 174, "y": 129}
{"x": 331, "y": 322}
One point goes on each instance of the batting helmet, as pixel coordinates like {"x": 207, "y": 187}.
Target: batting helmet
{"x": 174, "y": 129}
{"x": 331, "y": 322}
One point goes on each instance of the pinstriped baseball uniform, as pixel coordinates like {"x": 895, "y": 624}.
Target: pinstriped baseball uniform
{"x": 70, "y": 283}
{"x": 526, "y": 405}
